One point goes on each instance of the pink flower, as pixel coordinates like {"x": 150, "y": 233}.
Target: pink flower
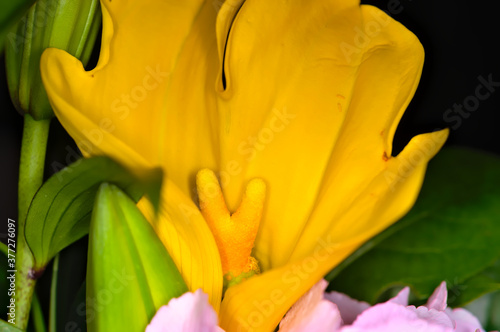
{"x": 311, "y": 310}
{"x": 320, "y": 312}
{"x": 189, "y": 313}
{"x": 328, "y": 312}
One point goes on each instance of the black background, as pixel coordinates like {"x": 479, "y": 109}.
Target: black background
{"x": 461, "y": 39}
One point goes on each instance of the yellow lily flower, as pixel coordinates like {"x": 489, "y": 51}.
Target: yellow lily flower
{"x": 304, "y": 96}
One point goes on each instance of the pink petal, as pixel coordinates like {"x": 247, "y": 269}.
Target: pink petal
{"x": 464, "y": 320}
{"x": 312, "y": 313}
{"x": 402, "y": 297}
{"x": 438, "y": 298}
{"x": 392, "y": 317}
{"x": 189, "y": 313}
{"x": 348, "y": 307}
{"x": 433, "y": 316}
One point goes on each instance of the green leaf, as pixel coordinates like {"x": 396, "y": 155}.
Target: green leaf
{"x": 451, "y": 234}
{"x": 60, "y": 211}
{"x": 3, "y": 248}
{"x": 7, "y": 327}
{"x": 483, "y": 283}
{"x": 130, "y": 273}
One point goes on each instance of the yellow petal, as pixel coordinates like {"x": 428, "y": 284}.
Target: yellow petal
{"x": 227, "y": 11}
{"x": 280, "y": 93}
{"x": 132, "y": 105}
{"x": 259, "y": 303}
{"x": 188, "y": 239}
{"x": 385, "y": 199}
{"x": 356, "y": 179}
{"x": 314, "y": 95}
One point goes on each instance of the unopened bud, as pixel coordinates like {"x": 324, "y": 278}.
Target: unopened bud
{"x": 70, "y": 25}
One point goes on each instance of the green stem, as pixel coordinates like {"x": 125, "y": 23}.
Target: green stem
{"x": 3, "y": 249}
{"x": 53, "y": 296}
{"x": 33, "y": 148}
{"x": 37, "y": 314}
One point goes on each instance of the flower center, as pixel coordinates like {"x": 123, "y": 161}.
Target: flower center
{"x": 234, "y": 233}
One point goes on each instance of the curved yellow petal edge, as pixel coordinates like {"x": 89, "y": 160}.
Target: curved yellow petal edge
{"x": 188, "y": 239}
{"x": 123, "y": 108}
{"x": 259, "y": 304}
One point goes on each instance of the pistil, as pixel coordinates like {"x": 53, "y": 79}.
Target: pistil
{"x": 234, "y": 233}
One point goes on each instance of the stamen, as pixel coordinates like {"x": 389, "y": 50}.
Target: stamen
{"x": 234, "y": 234}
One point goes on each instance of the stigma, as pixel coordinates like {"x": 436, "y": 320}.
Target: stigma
{"x": 234, "y": 233}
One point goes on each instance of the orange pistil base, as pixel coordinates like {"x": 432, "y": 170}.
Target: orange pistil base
{"x": 234, "y": 234}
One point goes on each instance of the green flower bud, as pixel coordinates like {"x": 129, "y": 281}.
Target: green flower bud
{"x": 10, "y": 12}
{"x": 71, "y": 25}
{"x": 130, "y": 274}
